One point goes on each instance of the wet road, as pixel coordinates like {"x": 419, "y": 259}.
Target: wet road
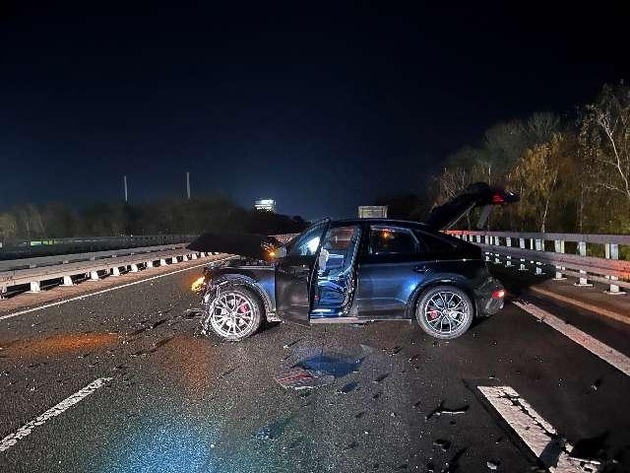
{"x": 148, "y": 393}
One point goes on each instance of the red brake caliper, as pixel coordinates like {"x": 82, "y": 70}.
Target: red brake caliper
{"x": 243, "y": 308}
{"x": 433, "y": 314}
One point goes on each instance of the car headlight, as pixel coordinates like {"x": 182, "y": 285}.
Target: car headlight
{"x": 198, "y": 284}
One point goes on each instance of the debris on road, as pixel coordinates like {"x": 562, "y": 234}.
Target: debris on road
{"x": 441, "y": 410}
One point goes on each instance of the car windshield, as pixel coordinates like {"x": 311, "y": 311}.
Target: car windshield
{"x": 307, "y": 243}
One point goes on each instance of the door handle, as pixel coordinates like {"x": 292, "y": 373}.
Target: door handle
{"x": 421, "y": 269}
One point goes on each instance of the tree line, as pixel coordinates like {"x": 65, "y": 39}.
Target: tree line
{"x": 573, "y": 175}
{"x": 175, "y": 216}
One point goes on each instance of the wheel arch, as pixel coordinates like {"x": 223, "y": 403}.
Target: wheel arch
{"x": 422, "y": 288}
{"x": 228, "y": 281}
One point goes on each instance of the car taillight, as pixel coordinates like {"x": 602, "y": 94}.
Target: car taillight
{"x": 498, "y": 294}
{"x": 498, "y": 199}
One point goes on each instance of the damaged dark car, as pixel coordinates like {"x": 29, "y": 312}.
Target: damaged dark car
{"x": 354, "y": 271}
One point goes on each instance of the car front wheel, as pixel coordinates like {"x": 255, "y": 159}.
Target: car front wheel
{"x": 234, "y": 314}
{"x": 445, "y": 312}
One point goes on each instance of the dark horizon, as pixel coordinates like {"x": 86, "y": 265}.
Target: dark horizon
{"x": 321, "y": 109}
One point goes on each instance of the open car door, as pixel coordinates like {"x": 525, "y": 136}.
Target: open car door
{"x": 295, "y": 274}
{"x": 475, "y": 195}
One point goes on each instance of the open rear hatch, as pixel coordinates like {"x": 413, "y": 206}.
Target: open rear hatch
{"x": 476, "y": 195}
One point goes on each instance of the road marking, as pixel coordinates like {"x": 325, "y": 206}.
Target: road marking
{"x": 538, "y": 434}
{"x": 85, "y": 296}
{"x": 606, "y": 353}
{"x": 63, "y": 406}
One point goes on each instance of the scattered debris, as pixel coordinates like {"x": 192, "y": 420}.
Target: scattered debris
{"x": 376, "y": 396}
{"x": 413, "y": 358}
{"x": 442, "y": 444}
{"x": 192, "y": 313}
{"x": 381, "y": 378}
{"x": 158, "y": 323}
{"x": 348, "y": 388}
{"x": 596, "y": 384}
{"x": 136, "y": 332}
{"x": 160, "y": 343}
{"x": 228, "y": 372}
{"x": 492, "y": 465}
{"x": 395, "y": 351}
{"x": 441, "y": 410}
{"x": 289, "y": 345}
{"x": 299, "y": 378}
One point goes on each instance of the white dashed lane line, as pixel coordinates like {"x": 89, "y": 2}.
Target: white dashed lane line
{"x": 11, "y": 439}
{"x": 606, "y": 353}
{"x": 538, "y": 434}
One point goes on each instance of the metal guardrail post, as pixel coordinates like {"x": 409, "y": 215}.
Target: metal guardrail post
{"x": 497, "y": 242}
{"x": 612, "y": 252}
{"x": 583, "y": 282}
{"x": 558, "y": 247}
{"x": 486, "y": 240}
{"x": 539, "y": 247}
{"x": 521, "y": 245}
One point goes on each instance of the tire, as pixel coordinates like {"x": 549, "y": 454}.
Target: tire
{"x": 445, "y": 312}
{"x": 235, "y": 314}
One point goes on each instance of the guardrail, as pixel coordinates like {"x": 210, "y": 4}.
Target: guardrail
{"x": 94, "y": 269}
{"x": 518, "y": 249}
{"x": 31, "y": 248}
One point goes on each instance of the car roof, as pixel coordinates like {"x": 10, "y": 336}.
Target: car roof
{"x": 382, "y": 221}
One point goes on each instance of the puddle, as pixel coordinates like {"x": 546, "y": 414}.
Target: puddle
{"x": 330, "y": 365}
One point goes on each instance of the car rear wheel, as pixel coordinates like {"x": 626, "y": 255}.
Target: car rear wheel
{"x": 445, "y": 312}
{"x": 235, "y": 313}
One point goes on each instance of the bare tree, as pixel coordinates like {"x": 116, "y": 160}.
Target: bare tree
{"x": 605, "y": 138}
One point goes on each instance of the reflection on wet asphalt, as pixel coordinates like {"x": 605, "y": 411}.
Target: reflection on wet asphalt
{"x": 381, "y": 397}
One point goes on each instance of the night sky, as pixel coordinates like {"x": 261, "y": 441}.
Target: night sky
{"x": 321, "y": 106}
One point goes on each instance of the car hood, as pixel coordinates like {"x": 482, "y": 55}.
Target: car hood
{"x": 253, "y": 246}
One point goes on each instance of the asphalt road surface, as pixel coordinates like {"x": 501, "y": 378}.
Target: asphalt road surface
{"x": 124, "y": 382}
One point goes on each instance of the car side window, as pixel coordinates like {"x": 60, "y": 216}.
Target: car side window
{"x": 435, "y": 244}
{"x": 386, "y": 240}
